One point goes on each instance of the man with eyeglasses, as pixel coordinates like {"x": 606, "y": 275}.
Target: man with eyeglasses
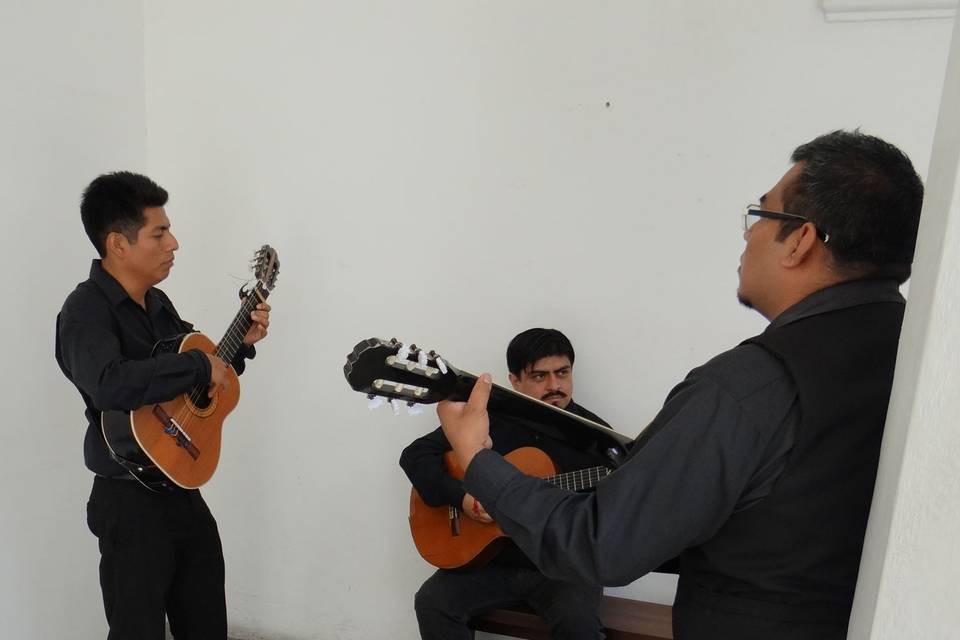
{"x": 758, "y": 471}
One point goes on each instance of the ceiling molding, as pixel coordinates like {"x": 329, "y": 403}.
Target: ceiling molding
{"x": 865, "y": 10}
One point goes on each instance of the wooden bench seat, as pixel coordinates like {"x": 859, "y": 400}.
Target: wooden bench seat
{"x": 623, "y": 618}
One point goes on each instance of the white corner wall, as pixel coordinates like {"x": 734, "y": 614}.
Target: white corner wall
{"x": 911, "y": 560}
{"x": 72, "y": 107}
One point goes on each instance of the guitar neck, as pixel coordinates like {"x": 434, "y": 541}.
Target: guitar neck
{"x": 544, "y": 417}
{"x": 405, "y": 373}
{"x": 579, "y": 480}
{"x": 232, "y": 340}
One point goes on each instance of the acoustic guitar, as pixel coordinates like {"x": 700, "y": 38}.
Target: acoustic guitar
{"x": 179, "y": 440}
{"x": 449, "y": 540}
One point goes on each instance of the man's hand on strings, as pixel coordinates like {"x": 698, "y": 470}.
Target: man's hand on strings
{"x": 219, "y": 380}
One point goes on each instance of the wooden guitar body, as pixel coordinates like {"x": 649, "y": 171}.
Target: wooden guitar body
{"x": 449, "y": 539}
{"x": 187, "y": 453}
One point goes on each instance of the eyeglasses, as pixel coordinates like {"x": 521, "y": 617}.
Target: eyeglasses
{"x": 754, "y": 213}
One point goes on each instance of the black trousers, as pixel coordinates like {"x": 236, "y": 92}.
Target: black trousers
{"x": 160, "y": 556}
{"x": 448, "y": 599}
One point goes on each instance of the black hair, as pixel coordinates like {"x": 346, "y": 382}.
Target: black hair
{"x": 864, "y": 193}
{"x": 532, "y": 345}
{"x": 115, "y": 202}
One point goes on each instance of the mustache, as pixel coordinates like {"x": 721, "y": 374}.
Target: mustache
{"x": 555, "y": 394}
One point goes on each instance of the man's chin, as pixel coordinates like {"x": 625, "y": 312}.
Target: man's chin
{"x": 742, "y": 299}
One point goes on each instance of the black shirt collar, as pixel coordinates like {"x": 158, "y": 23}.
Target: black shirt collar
{"x": 115, "y": 292}
{"x": 841, "y": 296}
{"x": 108, "y": 284}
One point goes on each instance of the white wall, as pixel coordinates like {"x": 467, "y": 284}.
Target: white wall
{"x": 448, "y": 173}
{"x": 72, "y": 106}
{"x": 910, "y": 559}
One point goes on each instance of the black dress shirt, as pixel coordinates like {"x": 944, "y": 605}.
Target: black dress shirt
{"x": 103, "y": 345}
{"x": 718, "y": 445}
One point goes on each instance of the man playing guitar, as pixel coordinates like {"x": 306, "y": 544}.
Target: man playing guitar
{"x": 160, "y": 550}
{"x": 541, "y": 366}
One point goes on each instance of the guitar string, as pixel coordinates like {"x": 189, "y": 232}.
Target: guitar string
{"x": 568, "y": 480}
{"x": 234, "y": 332}
{"x": 186, "y": 416}
{"x": 232, "y": 341}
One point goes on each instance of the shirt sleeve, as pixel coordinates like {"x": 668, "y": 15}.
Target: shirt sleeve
{"x": 92, "y": 356}
{"x": 679, "y": 485}
{"x": 422, "y": 461}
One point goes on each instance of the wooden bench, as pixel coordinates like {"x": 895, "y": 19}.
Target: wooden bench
{"x": 623, "y": 619}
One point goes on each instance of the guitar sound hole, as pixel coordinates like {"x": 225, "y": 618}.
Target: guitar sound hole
{"x": 200, "y": 398}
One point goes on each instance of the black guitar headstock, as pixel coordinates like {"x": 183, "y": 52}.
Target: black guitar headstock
{"x": 266, "y": 267}
{"x": 393, "y": 370}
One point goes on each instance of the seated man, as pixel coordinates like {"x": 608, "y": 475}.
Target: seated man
{"x": 541, "y": 366}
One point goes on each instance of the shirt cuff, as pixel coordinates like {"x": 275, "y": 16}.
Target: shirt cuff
{"x": 451, "y": 491}
{"x": 244, "y": 353}
{"x": 203, "y": 375}
{"x": 487, "y": 476}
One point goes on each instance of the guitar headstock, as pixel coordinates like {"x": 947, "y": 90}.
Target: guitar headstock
{"x": 393, "y": 370}
{"x": 266, "y": 267}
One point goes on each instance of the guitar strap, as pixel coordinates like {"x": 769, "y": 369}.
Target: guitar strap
{"x": 134, "y": 469}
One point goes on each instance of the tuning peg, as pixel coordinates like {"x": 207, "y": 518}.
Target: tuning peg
{"x": 441, "y": 365}
{"x": 414, "y": 409}
{"x": 375, "y": 402}
{"x": 403, "y": 352}
{"x": 422, "y": 358}
{"x": 396, "y": 404}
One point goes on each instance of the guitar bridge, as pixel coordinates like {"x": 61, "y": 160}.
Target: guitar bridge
{"x": 172, "y": 429}
{"x": 454, "y": 514}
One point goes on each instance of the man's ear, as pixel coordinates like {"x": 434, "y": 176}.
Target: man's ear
{"x": 514, "y": 380}
{"x": 116, "y": 244}
{"x": 800, "y": 245}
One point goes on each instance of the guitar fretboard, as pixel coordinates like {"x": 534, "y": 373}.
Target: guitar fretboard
{"x": 579, "y": 480}
{"x": 233, "y": 338}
